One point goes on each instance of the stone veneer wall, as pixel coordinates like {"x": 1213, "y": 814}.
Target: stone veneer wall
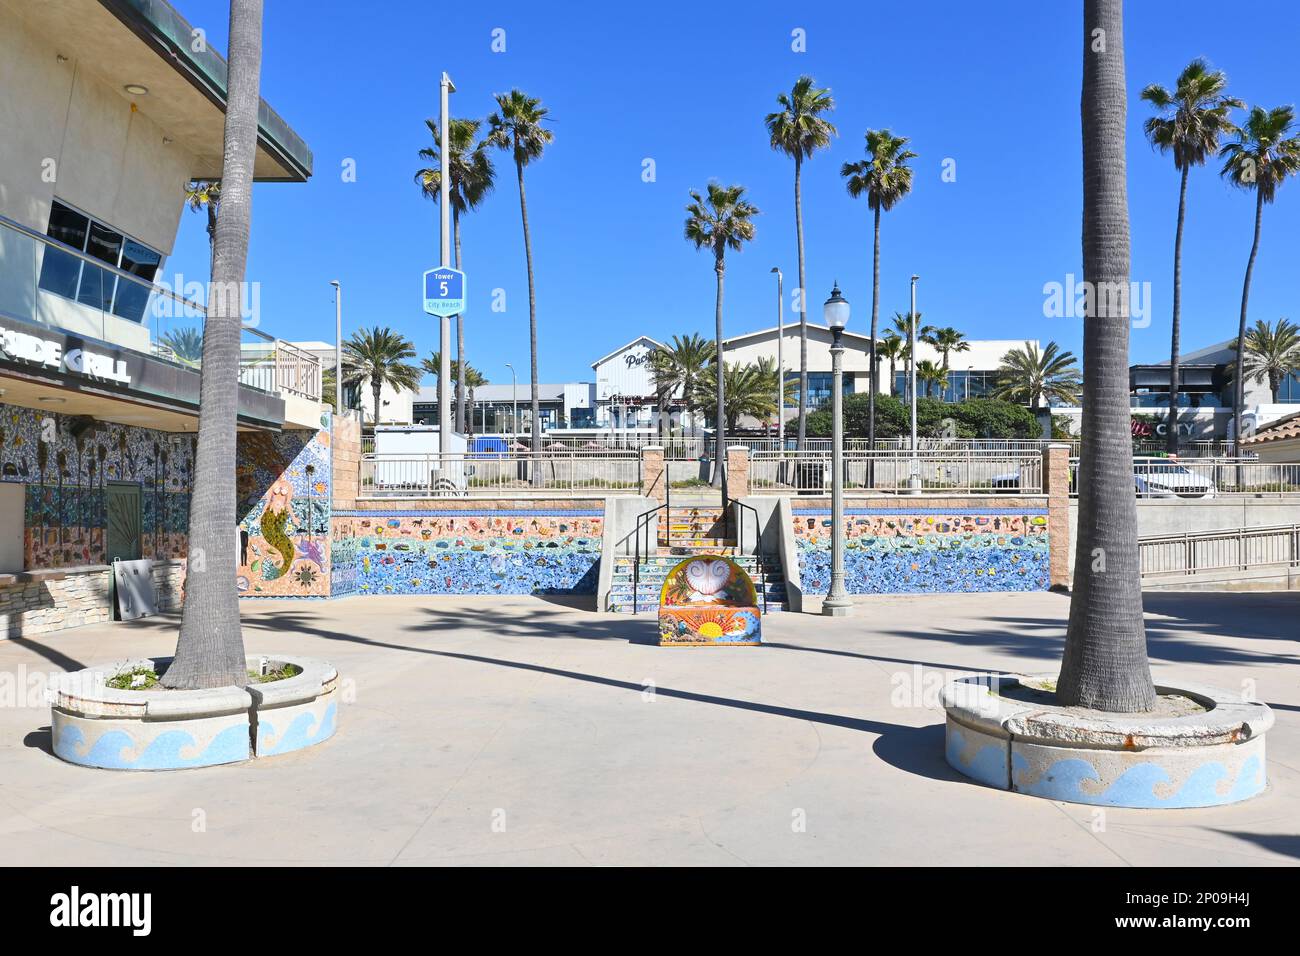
{"x": 468, "y": 547}
{"x": 42, "y": 601}
{"x": 954, "y": 545}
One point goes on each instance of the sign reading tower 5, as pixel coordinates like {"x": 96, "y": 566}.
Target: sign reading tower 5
{"x": 708, "y": 600}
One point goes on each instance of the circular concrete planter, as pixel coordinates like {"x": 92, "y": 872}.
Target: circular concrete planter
{"x": 95, "y": 725}
{"x": 1203, "y": 759}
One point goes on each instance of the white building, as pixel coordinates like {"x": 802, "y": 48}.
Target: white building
{"x": 396, "y": 404}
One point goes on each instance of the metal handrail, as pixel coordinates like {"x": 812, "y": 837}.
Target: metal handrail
{"x": 1188, "y": 541}
{"x": 758, "y": 545}
{"x": 644, "y": 517}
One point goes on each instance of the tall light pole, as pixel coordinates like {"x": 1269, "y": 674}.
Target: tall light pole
{"x": 780, "y": 359}
{"x": 338, "y": 347}
{"x": 514, "y": 401}
{"x": 836, "y": 314}
{"x": 445, "y": 88}
{"x": 914, "y": 468}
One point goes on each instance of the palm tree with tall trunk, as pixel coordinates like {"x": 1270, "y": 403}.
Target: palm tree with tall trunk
{"x": 210, "y": 649}
{"x": 472, "y": 177}
{"x": 205, "y": 194}
{"x": 892, "y": 348}
{"x": 1105, "y": 664}
{"x": 517, "y": 126}
{"x": 799, "y": 129}
{"x": 680, "y": 364}
{"x": 381, "y": 357}
{"x": 1266, "y": 152}
{"x": 725, "y": 220}
{"x": 1272, "y": 353}
{"x": 884, "y": 178}
{"x": 1188, "y": 125}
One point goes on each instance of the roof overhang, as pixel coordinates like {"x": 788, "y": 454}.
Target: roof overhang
{"x": 147, "y": 42}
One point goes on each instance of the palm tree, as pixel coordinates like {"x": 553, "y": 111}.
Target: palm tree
{"x": 517, "y": 126}
{"x": 186, "y": 344}
{"x": 1265, "y": 154}
{"x": 1105, "y": 665}
{"x": 932, "y": 376}
{"x": 749, "y": 389}
{"x": 1188, "y": 124}
{"x": 206, "y": 194}
{"x": 799, "y": 129}
{"x": 945, "y": 341}
{"x": 723, "y": 221}
{"x": 902, "y": 327}
{"x": 470, "y": 380}
{"x": 894, "y": 348}
{"x": 472, "y": 177}
{"x": 884, "y": 178}
{"x": 210, "y": 648}
{"x": 1030, "y": 377}
{"x": 681, "y": 363}
{"x": 1272, "y": 353}
{"x": 380, "y": 356}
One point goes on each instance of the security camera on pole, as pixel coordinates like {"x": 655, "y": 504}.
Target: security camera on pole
{"x": 444, "y": 287}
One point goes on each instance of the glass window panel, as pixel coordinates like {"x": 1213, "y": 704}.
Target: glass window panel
{"x": 59, "y": 270}
{"x": 133, "y": 299}
{"x": 96, "y": 284}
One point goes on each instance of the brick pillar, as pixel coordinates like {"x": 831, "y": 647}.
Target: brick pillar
{"x": 654, "y": 473}
{"x": 738, "y": 471}
{"x": 346, "y": 442}
{"x": 1056, "y": 485}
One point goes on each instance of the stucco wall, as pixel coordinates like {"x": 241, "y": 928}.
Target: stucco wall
{"x": 68, "y": 134}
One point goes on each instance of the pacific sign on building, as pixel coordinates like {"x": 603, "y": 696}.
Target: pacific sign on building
{"x": 49, "y": 353}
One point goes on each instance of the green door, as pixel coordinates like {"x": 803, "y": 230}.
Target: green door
{"x": 123, "y": 538}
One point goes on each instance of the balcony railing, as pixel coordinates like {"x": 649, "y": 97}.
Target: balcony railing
{"x": 515, "y": 474}
{"x": 44, "y": 282}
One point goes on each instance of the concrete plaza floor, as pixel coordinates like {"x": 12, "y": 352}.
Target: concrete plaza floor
{"x": 525, "y": 731}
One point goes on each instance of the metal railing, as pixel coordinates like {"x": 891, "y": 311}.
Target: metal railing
{"x": 45, "y": 282}
{"x": 490, "y": 475}
{"x": 1238, "y": 549}
{"x": 1208, "y": 478}
{"x": 898, "y": 472}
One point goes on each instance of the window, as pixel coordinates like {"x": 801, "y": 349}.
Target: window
{"x": 73, "y": 278}
{"x": 819, "y": 388}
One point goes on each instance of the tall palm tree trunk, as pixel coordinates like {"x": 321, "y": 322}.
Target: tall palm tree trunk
{"x": 803, "y": 307}
{"x": 376, "y": 389}
{"x": 1171, "y": 435}
{"x": 210, "y": 649}
{"x": 873, "y": 375}
{"x": 460, "y": 344}
{"x": 532, "y": 322}
{"x": 1105, "y": 664}
{"x": 719, "y": 442}
{"x": 1239, "y": 389}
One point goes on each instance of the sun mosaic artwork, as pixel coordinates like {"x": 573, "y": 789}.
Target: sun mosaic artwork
{"x": 708, "y": 600}
{"x": 918, "y": 551}
{"x": 458, "y": 552}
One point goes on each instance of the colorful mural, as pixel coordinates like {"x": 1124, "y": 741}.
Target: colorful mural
{"x": 458, "y": 552}
{"x": 67, "y": 463}
{"x": 922, "y": 550}
{"x": 708, "y": 600}
{"x": 285, "y": 488}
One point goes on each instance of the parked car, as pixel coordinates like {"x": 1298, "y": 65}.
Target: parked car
{"x": 1171, "y": 481}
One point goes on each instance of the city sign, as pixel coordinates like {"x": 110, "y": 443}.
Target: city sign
{"x": 444, "y": 291}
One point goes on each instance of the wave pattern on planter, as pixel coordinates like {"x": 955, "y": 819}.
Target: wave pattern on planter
{"x": 902, "y": 552}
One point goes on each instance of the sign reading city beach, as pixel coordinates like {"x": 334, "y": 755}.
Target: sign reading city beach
{"x": 444, "y": 291}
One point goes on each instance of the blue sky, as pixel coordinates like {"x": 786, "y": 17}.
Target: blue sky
{"x": 994, "y": 87}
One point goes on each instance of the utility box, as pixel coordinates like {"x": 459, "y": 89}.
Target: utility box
{"x": 409, "y": 458}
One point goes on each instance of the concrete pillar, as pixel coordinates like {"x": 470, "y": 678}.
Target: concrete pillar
{"x": 738, "y": 471}
{"x": 1056, "y": 485}
{"x": 654, "y": 473}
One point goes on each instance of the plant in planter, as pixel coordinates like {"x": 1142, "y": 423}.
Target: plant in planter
{"x": 1103, "y": 732}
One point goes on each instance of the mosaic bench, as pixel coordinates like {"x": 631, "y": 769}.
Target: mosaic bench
{"x": 708, "y": 601}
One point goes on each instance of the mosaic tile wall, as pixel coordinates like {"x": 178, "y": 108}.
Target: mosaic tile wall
{"x": 924, "y": 550}
{"x": 285, "y": 489}
{"x": 457, "y": 552}
{"x": 66, "y": 476}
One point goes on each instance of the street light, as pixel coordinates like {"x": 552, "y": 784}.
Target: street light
{"x": 836, "y": 314}
{"x": 338, "y": 347}
{"x": 780, "y": 359}
{"x": 514, "y": 402}
{"x": 914, "y": 467}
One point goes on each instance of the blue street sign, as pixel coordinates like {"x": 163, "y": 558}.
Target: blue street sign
{"x": 444, "y": 291}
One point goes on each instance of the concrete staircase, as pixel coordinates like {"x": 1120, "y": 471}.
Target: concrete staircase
{"x": 690, "y": 529}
